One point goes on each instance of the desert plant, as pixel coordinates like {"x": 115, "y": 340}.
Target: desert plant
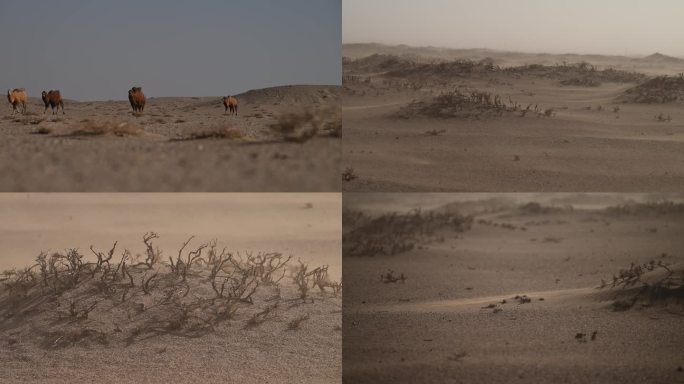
{"x": 297, "y": 126}
{"x": 390, "y": 277}
{"x": 152, "y": 254}
{"x": 348, "y": 174}
{"x": 296, "y": 323}
{"x": 301, "y": 279}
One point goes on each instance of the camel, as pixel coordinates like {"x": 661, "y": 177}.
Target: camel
{"x": 230, "y": 102}
{"x": 137, "y": 99}
{"x": 54, "y": 100}
{"x": 15, "y": 97}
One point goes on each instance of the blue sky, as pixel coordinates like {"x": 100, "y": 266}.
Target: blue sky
{"x": 622, "y": 27}
{"x": 97, "y": 49}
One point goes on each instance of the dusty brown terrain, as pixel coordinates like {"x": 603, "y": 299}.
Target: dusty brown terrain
{"x": 101, "y": 325}
{"x": 177, "y": 144}
{"x": 516, "y": 298}
{"x": 518, "y": 122}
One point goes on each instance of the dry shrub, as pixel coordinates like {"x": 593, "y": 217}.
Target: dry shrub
{"x": 348, "y": 174}
{"x": 653, "y": 208}
{"x": 658, "y": 90}
{"x": 460, "y": 104}
{"x": 297, "y": 126}
{"x": 534, "y": 208}
{"x": 391, "y": 234}
{"x": 648, "y": 283}
{"x": 95, "y": 128}
{"x": 581, "y": 82}
{"x": 296, "y": 323}
{"x": 187, "y": 296}
{"x": 305, "y": 124}
{"x": 216, "y": 132}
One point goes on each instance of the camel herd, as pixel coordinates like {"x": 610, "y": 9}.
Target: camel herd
{"x": 17, "y": 97}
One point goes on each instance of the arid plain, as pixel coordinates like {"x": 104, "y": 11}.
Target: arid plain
{"x": 504, "y": 289}
{"x": 430, "y": 119}
{"x": 283, "y": 139}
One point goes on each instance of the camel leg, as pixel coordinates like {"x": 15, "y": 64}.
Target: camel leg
{"x": 62, "y": 104}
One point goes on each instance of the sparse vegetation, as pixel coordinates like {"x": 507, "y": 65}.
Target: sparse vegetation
{"x": 348, "y": 174}
{"x": 651, "y": 208}
{"x": 395, "y": 233}
{"x": 219, "y": 131}
{"x": 303, "y": 125}
{"x": 460, "y": 104}
{"x": 647, "y": 284}
{"x": 89, "y": 127}
{"x": 390, "y": 277}
{"x": 658, "y": 90}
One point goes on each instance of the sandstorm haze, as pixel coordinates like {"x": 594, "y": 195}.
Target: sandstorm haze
{"x": 605, "y": 27}
{"x": 98, "y": 50}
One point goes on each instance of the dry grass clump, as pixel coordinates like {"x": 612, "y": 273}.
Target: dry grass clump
{"x": 652, "y": 208}
{"x": 391, "y": 234}
{"x": 468, "y": 104}
{"x": 377, "y": 63}
{"x": 658, "y": 90}
{"x": 534, "y": 208}
{"x": 215, "y": 132}
{"x": 449, "y": 69}
{"x": 303, "y": 125}
{"x": 581, "y": 82}
{"x": 296, "y": 323}
{"x": 391, "y": 277}
{"x": 297, "y": 126}
{"x": 89, "y": 127}
{"x": 582, "y": 73}
{"x": 114, "y": 294}
{"x": 662, "y": 118}
{"x": 647, "y": 284}
{"x": 349, "y": 174}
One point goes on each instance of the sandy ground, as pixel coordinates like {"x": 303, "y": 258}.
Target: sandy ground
{"x": 438, "y": 326}
{"x": 302, "y": 225}
{"x": 162, "y": 156}
{"x": 579, "y": 148}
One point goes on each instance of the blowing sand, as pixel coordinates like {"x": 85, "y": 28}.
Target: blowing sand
{"x": 456, "y": 318}
{"x": 176, "y": 332}
{"x": 177, "y": 144}
{"x": 573, "y": 137}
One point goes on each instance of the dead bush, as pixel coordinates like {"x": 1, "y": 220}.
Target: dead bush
{"x": 96, "y": 128}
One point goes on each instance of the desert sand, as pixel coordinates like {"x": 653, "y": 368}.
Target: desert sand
{"x": 177, "y": 144}
{"x": 517, "y": 297}
{"x": 177, "y": 332}
{"x": 583, "y": 128}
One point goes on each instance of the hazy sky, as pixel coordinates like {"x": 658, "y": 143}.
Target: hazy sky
{"x": 98, "y": 49}
{"x": 624, "y": 27}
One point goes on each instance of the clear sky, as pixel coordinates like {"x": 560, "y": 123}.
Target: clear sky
{"x": 623, "y": 27}
{"x": 98, "y": 49}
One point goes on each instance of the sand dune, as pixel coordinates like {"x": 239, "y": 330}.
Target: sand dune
{"x": 517, "y": 298}
{"x": 177, "y": 144}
